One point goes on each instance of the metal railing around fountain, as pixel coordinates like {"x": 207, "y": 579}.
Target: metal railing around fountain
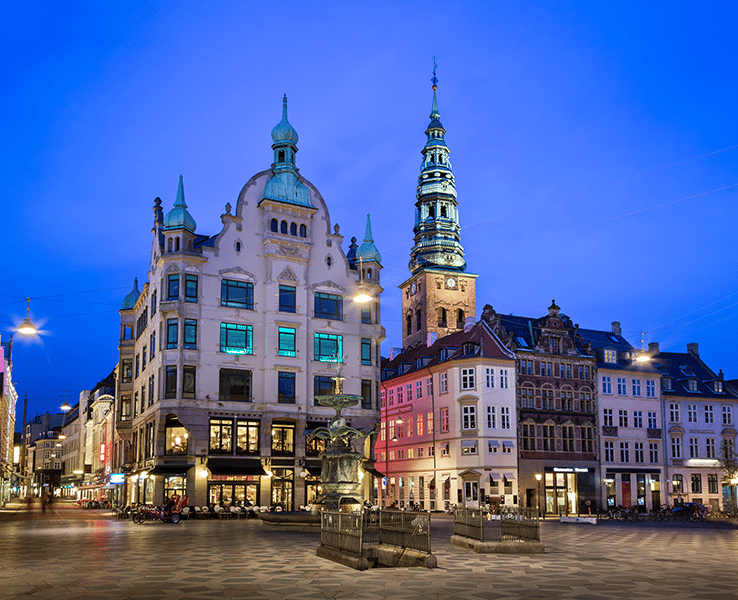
{"x": 512, "y": 525}
{"x": 351, "y": 531}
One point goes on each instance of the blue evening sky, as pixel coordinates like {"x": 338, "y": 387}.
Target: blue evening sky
{"x": 591, "y": 144}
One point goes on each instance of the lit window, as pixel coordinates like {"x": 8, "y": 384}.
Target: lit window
{"x": 286, "y": 341}
{"x": 236, "y": 338}
{"x": 328, "y": 347}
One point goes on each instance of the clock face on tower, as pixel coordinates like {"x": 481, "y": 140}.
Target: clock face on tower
{"x": 413, "y": 288}
{"x": 450, "y": 283}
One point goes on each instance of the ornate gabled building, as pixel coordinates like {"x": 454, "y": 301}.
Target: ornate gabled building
{"x": 440, "y": 295}
{"x": 226, "y": 344}
{"x": 557, "y": 411}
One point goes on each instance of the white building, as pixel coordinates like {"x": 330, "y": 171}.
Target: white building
{"x": 449, "y": 424}
{"x": 232, "y": 336}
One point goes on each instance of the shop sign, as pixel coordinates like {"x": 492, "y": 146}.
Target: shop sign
{"x": 117, "y": 478}
{"x": 234, "y": 478}
{"x": 570, "y": 470}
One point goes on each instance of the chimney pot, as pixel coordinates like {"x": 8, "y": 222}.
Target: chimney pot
{"x": 616, "y": 328}
{"x": 693, "y": 348}
{"x": 653, "y": 347}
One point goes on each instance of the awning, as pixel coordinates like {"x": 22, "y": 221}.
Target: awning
{"x": 468, "y": 443}
{"x": 236, "y": 466}
{"x": 508, "y": 444}
{"x": 493, "y": 443}
{"x": 494, "y": 476}
{"x": 509, "y": 476}
{"x": 373, "y": 471}
{"x": 110, "y": 486}
{"x": 171, "y": 469}
{"x": 90, "y": 487}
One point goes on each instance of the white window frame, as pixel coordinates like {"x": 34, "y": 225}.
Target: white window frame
{"x": 504, "y": 417}
{"x": 443, "y": 383}
{"x": 468, "y": 417}
{"x": 491, "y": 418}
{"x": 606, "y": 384}
{"x": 468, "y": 378}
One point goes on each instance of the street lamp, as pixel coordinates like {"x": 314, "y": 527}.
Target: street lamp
{"x": 27, "y": 328}
{"x": 539, "y": 476}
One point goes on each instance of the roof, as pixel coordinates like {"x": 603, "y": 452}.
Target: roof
{"x": 683, "y": 366}
{"x": 420, "y": 357}
{"x": 607, "y": 340}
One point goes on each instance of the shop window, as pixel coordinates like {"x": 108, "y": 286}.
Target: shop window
{"x": 282, "y": 488}
{"x": 176, "y": 439}
{"x": 283, "y": 439}
{"x": 221, "y": 436}
{"x": 247, "y": 437}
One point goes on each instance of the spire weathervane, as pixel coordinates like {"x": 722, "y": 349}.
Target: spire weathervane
{"x": 434, "y": 79}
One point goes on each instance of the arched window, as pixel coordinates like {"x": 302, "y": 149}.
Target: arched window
{"x": 459, "y": 319}
{"x": 176, "y": 244}
{"x": 281, "y": 156}
{"x": 441, "y": 316}
{"x": 443, "y": 210}
{"x": 328, "y": 260}
{"x": 369, "y": 274}
{"x": 275, "y": 225}
{"x": 238, "y": 246}
{"x": 409, "y": 323}
{"x": 293, "y": 228}
{"x": 283, "y": 227}
{"x": 169, "y": 245}
{"x": 418, "y": 320}
{"x": 432, "y": 211}
{"x": 303, "y": 231}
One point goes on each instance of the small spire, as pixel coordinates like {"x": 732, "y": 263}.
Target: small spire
{"x": 434, "y": 79}
{"x": 180, "y": 194}
{"x": 434, "y": 109}
{"x": 284, "y": 108}
{"x": 368, "y": 234}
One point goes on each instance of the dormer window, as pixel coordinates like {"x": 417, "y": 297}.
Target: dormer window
{"x": 446, "y": 353}
{"x": 691, "y": 385}
{"x": 717, "y": 386}
{"x": 610, "y": 356}
{"x": 666, "y": 384}
{"x": 469, "y": 348}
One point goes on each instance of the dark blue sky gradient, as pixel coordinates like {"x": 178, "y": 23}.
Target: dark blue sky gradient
{"x": 546, "y": 105}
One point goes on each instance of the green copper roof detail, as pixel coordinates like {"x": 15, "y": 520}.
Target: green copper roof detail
{"x": 283, "y": 131}
{"x": 368, "y": 252}
{"x": 179, "y": 217}
{"x": 130, "y": 300}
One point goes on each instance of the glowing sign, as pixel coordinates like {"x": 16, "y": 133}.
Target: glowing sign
{"x": 117, "y": 478}
{"x": 102, "y": 453}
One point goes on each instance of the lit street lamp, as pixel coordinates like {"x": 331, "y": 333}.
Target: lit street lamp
{"x": 27, "y": 328}
{"x": 538, "y": 496}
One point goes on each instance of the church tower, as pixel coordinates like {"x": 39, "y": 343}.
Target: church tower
{"x": 440, "y": 295}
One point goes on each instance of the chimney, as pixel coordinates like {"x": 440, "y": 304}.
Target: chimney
{"x": 693, "y": 348}
{"x": 653, "y": 348}
{"x": 616, "y": 328}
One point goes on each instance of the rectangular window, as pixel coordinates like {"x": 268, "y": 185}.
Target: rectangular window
{"x": 637, "y": 418}
{"x": 170, "y": 382}
{"x": 190, "y": 334}
{"x": 624, "y": 452}
{"x": 418, "y": 389}
{"x": 328, "y": 347}
{"x": 677, "y": 483}
{"x": 650, "y": 389}
{"x": 366, "y": 353}
{"x": 549, "y": 438}
{"x": 727, "y": 415}
{"x": 710, "y": 445}
{"x": 611, "y": 356}
{"x": 190, "y": 288}
{"x": 491, "y": 418}
{"x": 221, "y": 436}
{"x": 622, "y": 418}
{"x": 652, "y": 421}
{"x": 587, "y": 438}
{"x": 237, "y": 294}
{"x": 400, "y": 395}
{"x": 409, "y": 392}
{"x": 188, "y": 381}
{"x": 529, "y": 437}
{"x": 126, "y": 371}
{"x": 709, "y": 413}
{"x": 287, "y": 298}
{"x": 236, "y": 339}
{"x": 607, "y": 417}
{"x": 286, "y": 388}
{"x": 568, "y": 371}
{"x": 152, "y": 390}
{"x": 609, "y": 452}
{"x": 143, "y": 399}
{"x": 287, "y": 336}
{"x": 694, "y": 447}
{"x": 691, "y": 413}
{"x": 428, "y": 387}
{"x": 125, "y": 408}
{"x": 322, "y": 386}
{"x": 653, "y": 452}
{"x": 247, "y": 437}
{"x": 638, "y": 451}
{"x": 676, "y": 447}
{"x": 366, "y": 393}
{"x": 444, "y": 420}
{"x": 636, "y": 387}
{"x": 622, "y": 391}
{"x": 235, "y": 385}
{"x": 419, "y": 425}
{"x": 696, "y": 483}
{"x": 152, "y": 345}
{"x": 505, "y": 417}
{"x": 606, "y": 384}
{"x": 490, "y": 375}
{"x": 144, "y": 356}
{"x": 567, "y": 438}
{"x": 467, "y": 379}
{"x": 366, "y": 314}
{"x": 469, "y": 417}
{"x": 712, "y": 483}
{"x": 138, "y": 365}
{"x": 173, "y": 287}
{"x": 172, "y": 333}
{"x": 674, "y": 412}
{"x": 444, "y": 382}
{"x": 328, "y": 306}
{"x": 429, "y": 422}
{"x": 503, "y": 379}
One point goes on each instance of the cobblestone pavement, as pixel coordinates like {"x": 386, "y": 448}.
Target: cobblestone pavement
{"x": 71, "y": 553}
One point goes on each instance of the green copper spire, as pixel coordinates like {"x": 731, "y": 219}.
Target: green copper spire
{"x": 179, "y": 217}
{"x": 368, "y": 251}
{"x": 437, "y": 230}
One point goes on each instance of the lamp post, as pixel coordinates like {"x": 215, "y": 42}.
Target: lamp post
{"x": 539, "y": 476}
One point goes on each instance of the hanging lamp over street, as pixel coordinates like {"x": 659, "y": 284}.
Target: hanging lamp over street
{"x": 27, "y": 328}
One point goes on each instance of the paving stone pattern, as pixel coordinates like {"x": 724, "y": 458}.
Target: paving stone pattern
{"x": 71, "y": 553}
